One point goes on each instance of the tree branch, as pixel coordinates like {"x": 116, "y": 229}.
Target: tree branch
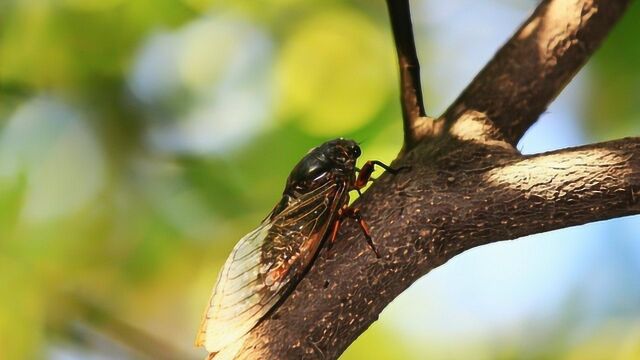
{"x": 413, "y": 113}
{"x": 531, "y": 69}
{"x": 423, "y": 218}
{"x": 467, "y": 187}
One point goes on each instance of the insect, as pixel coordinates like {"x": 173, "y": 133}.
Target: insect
{"x": 269, "y": 261}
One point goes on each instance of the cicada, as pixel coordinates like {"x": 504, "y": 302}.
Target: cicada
{"x": 268, "y": 262}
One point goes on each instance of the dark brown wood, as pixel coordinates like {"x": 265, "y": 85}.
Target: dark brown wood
{"x": 531, "y": 69}
{"x": 413, "y": 112}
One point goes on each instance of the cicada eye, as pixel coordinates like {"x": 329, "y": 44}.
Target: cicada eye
{"x": 355, "y": 151}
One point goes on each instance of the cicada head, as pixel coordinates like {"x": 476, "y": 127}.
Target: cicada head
{"x": 341, "y": 152}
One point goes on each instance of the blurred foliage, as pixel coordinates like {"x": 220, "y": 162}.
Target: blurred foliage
{"x": 140, "y": 139}
{"x": 614, "y": 96}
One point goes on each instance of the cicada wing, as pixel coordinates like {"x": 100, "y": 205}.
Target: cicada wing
{"x": 240, "y": 297}
{"x": 298, "y": 231}
{"x": 264, "y": 264}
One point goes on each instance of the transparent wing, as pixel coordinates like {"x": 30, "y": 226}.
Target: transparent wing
{"x": 265, "y": 264}
{"x": 237, "y": 294}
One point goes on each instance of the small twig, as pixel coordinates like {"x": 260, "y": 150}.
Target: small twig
{"x": 410, "y": 89}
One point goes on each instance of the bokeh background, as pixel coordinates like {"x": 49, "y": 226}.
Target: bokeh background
{"x": 139, "y": 140}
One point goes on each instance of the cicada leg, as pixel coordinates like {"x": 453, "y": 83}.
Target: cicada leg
{"x": 353, "y": 213}
{"x": 364, "y": 174}
{"x": 336, "y": 227}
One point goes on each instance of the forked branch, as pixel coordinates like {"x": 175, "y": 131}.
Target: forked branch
{"x": 467, "y": 187}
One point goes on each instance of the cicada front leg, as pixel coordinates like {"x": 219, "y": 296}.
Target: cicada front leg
{"x": 364, "y": 174}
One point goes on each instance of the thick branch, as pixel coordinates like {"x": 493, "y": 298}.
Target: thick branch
{"x": 467, "y": 186}
{"x": 457, "y": 196}
{"x": 531, "y": 69}
{"x": 413, "y": 112}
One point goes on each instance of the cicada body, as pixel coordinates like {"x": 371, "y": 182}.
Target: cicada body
{"x": 268, "y": 262}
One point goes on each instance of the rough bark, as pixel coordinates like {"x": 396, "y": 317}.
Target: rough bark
{"x": 459, "y": 196}
{"x": 467, "y": 186}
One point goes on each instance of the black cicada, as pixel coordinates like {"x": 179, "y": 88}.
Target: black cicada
{"x": 269, "y": 261}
